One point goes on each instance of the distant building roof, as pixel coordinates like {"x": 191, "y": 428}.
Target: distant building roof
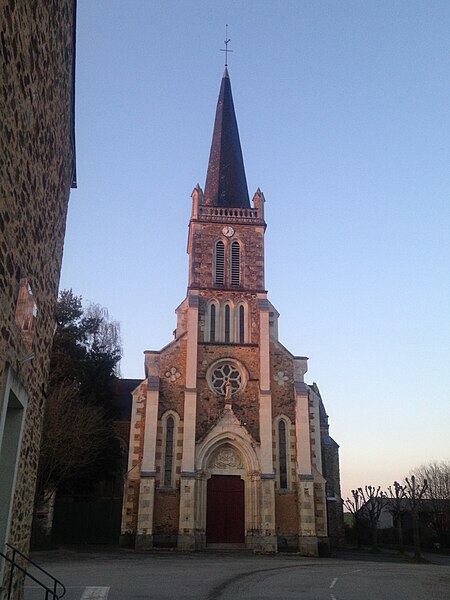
{"x": 123, "y": 400}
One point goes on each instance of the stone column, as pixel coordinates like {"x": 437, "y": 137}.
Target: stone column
{"x": 315, "y": 437}
{"x": 130, "y": 506}
{"x": 186, "y": 532}
{"x": 144, "y": 533}
{"x": 306, "y": 510}
{"x": 268, "y": 534}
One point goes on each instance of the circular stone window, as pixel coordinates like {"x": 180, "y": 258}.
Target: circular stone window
{"x": 223, "y": 373}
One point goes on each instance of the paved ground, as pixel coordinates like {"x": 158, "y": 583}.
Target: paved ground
{"x": 113, "y": 574}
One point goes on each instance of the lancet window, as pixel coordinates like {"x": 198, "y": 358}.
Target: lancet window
{"x": 282, "y": 458}
{"x": 212, "y": 323}
{"x": 282, "y": 455}
{"x": 226, "y": 323}
{"x": 169, "y": 432}
{"x": 241, "y": 324}
{"x": 227, "y": 319}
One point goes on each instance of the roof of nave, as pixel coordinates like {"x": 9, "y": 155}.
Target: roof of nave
{"x": 123, "y": 399}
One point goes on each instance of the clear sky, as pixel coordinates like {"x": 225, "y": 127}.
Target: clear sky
{"x": 344, "y": 117}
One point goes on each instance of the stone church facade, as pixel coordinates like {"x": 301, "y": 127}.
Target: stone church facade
{"x": 229, "y": 447}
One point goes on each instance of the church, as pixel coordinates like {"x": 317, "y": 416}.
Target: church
{"x": 229, "y": 447}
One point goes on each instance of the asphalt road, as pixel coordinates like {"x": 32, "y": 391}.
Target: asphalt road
{"x": 113, "y": 574}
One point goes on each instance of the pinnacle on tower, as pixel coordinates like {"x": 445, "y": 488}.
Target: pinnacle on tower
{"x": 226, "y": 184}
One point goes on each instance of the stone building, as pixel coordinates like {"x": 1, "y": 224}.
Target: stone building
{"x": 228, "y": 444}
{"x": 37, "y": 52}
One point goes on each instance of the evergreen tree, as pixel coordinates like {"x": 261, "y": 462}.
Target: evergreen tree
{"x": 78, "y": 447}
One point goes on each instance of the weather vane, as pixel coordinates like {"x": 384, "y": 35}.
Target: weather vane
{"x": 226, "y": 41}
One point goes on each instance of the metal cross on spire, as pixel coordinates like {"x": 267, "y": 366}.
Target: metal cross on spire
{"x": 226, "y": 42}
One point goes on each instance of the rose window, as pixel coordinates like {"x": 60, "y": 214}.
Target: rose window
{"x": 223, "y": 375}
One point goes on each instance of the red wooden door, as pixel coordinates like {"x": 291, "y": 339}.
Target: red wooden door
{"x": 225, "y": 510}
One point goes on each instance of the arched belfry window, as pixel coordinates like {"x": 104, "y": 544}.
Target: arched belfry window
{"x": 235, "y": 263}
{"x": 220, "y": 263}
{"x": 227, "y": 321}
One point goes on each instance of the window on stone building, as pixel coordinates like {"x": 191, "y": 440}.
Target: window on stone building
{"x": 212, "y": 323}
{"x": 168, "y": 454}
{"x": 227, "y": 323}
{"x": 226, "y": 372}
{"x": 241, "y": 330}
{"x": 241, "y": 324}
{"x": 235, "y": 263}
{"x": 220, "y": 263}
{"x": 282, "y": 454}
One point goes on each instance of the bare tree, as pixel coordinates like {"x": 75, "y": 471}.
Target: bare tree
{"x": 437, "y": 475}
{"x": 372, "y": 499}
{"x": 354, "y": 506}
{"x": 103, "y": 335}
{"x": 414, "y": 493}
{"x": 396, "y": 504}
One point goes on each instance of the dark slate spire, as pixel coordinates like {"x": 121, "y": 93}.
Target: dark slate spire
{"x": 226, "y": 184}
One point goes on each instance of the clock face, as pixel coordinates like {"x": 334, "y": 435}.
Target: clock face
{"x": 228, "y": 231}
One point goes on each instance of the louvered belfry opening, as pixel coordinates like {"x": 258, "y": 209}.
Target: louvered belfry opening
{"x": 235, "y": 264}
{"x": 220, "y": 263}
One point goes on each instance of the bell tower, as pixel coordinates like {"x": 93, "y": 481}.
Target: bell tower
{"x": 226, "y": 232}
{"x": 226, "y": 278}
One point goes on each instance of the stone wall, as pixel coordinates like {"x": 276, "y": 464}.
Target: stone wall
{"x": 36, "y": 147}
{"x": 282, "y": 381}
{"x": 335, "y": 512}
{"x": 172, "y": 378}
{"x": 286, "y": 512}
{"x": 166, "y": 517}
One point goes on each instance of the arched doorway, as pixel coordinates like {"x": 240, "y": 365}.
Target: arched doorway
{"x": 227, "y": 451}
{"x": 225, "y": 510}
